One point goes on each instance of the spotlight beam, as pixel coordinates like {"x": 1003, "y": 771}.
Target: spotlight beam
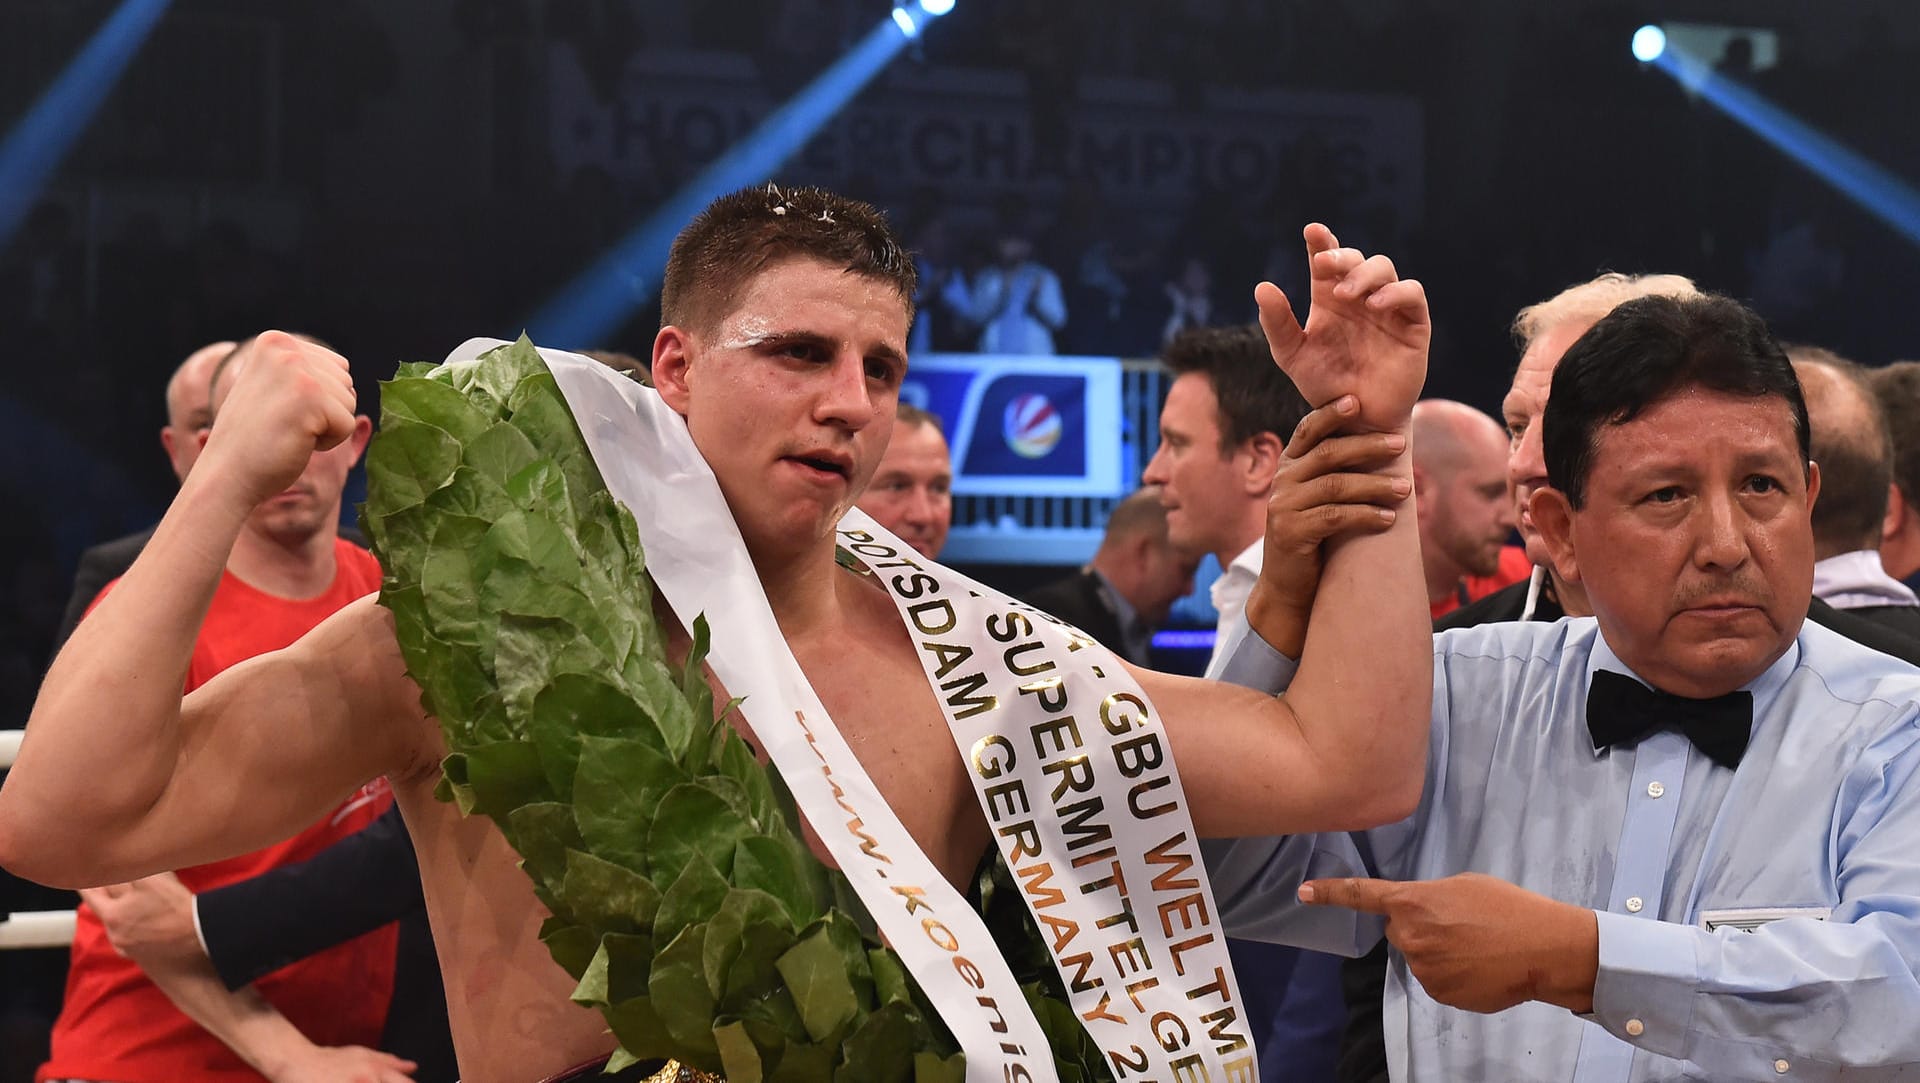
{"x": 1876, "y": 189}
{"x": 43, "y": 136}
{"x": 594, "y": 304}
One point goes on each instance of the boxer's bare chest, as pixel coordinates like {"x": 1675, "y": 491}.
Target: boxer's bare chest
{"x": 868, "y": 676}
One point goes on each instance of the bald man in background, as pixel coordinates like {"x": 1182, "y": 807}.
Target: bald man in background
{"x": 133, "y": 1015}
{"x": 1460, "y": 496}
{"x": 1850, "y": 442}
{"x": 250, "y": 928}
{"x": 188, "y": 415}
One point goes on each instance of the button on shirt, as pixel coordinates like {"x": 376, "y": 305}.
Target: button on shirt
{"x": 1820, "y": 821}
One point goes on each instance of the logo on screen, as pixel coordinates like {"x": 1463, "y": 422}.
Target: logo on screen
{"x": 1031, "y": 426}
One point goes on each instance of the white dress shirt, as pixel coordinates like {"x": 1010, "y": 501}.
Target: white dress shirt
{"x": 1856, "y": 580}
{"x": 1229, "y": 594}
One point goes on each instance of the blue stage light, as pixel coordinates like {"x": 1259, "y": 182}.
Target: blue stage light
{"x": 41, "y": 138}
{"x": 1873, "y": 187}
{"x": 593, "y": 305}
{"x": 1648, "y": 43}
{"x": 904, "y": 19}
{"x": 936, "y": 7}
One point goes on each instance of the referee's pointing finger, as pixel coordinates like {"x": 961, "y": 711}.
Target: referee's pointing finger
{"x": 1368, "y": 896}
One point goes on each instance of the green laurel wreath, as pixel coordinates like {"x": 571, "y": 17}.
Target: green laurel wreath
{"x": 684, "y": 902}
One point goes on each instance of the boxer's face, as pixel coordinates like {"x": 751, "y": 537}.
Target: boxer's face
{"x": 790, "y": 397}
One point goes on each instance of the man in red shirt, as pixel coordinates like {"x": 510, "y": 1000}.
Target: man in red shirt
{"x": 288, "y": 570}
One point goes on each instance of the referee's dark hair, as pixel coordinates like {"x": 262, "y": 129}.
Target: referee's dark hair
{"x": 1642, "y": 352}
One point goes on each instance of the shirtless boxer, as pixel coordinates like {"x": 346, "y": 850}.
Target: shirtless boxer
{"x": 784, "y": 346}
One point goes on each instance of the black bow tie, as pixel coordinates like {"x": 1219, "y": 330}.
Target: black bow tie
{"x": 1622, "y": 711}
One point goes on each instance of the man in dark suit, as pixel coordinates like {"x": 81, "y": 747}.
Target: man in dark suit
{"x": 1855, "y": 453}
{"x": 1124, "y": 592}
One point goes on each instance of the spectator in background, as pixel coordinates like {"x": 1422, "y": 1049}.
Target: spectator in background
{"x": 940, "y": 291}
{"x": 1897, "y": 386}
{"x": 1109, "y": 268}
{"x": 911, "y": 493}
{"x": 1544, "y": 331}
{"x": 1191, "y": 300}
{"x": 169, "y": 1016}
{"x": 1223, "y": 435}
{"x": 188, "y": 415}
{"x": 1855, "y": 456}
{"x": 1223, "y": 428}
{"x": 1124, "y": 592}
{"x": 1015, "y": 301}
{"x": 1460, "y": 495}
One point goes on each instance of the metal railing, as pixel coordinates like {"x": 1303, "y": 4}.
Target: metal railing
{"x": 31, "y": 928}
{"x": 37, "y": 929}
{"x": 991, "y": 529}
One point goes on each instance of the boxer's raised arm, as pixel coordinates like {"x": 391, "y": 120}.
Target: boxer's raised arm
{"x": 1346, "y": 747}
{"x": 117, "y": 776}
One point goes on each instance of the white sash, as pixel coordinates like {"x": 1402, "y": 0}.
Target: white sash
{"x": 1076, "y": 777}
{"x": 700, "y": 565}
{"x": 1109, "y": 864}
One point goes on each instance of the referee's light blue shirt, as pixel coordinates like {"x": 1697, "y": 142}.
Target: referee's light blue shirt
{"x": 1814, "y": 841}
